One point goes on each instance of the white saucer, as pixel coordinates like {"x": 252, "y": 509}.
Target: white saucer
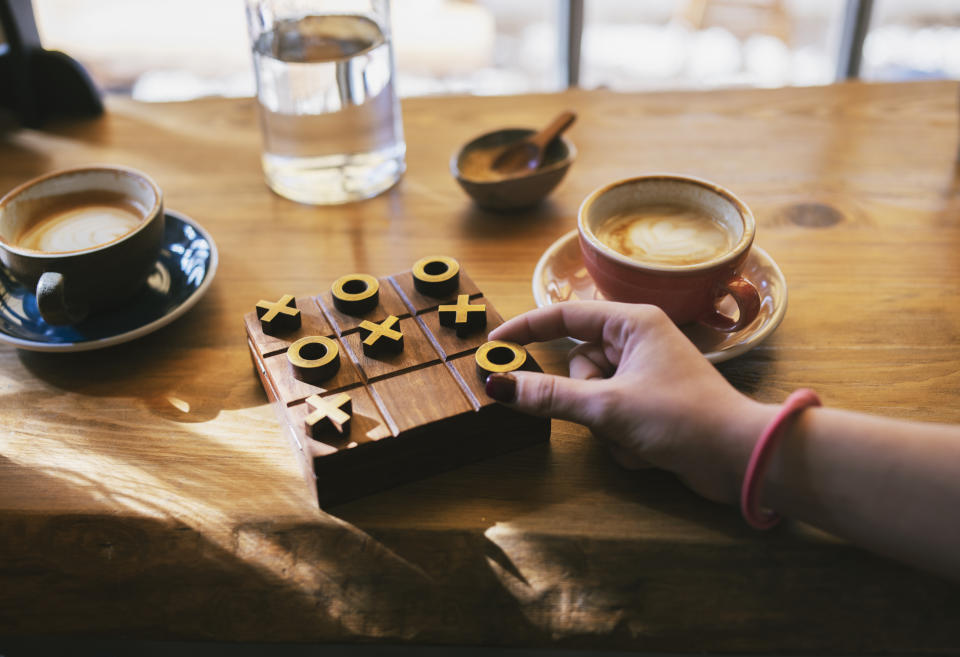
{"x": 182, "y": 274}
{"x": 560, "y": 276}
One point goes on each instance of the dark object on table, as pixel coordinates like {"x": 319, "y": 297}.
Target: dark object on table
{"x": 37, "y": 84}
{"x": 412, "y": 414}
{"x": 472, "y": 167}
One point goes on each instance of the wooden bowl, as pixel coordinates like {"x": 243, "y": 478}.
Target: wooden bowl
{"x": 513, "y": 192}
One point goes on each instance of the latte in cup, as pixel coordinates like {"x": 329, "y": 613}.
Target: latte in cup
{"x": 80, "y": 220}
{"x": 83, "y": 239}
{"x": 666, "y": 234}
{"x": 671, "y": 241}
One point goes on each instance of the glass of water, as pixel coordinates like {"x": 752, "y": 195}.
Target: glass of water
{"x": 332, "y": 130}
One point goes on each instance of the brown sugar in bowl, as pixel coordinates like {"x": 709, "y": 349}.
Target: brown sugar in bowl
{"x": 472, "y": 167}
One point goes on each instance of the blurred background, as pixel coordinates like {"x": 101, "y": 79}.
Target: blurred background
{"x": 183, "y": 49}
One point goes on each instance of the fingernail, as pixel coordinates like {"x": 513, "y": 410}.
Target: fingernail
{"x": 502, "y": 387}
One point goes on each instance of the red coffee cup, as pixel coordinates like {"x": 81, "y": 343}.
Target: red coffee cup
{"x": 686, "y": 292}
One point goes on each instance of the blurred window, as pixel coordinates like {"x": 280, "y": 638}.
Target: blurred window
{"x": 912, "y": 40}
{"x": 180, "y": 49}
{"x": 482, "y": 47}
{"x": 702, "y": 43}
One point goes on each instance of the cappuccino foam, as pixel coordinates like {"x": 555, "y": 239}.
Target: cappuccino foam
{"x": 73, "y": 228}
{"x": 666, "y": 234}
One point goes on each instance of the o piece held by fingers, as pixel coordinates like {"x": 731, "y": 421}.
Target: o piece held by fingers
{"x": 498, "y": 356}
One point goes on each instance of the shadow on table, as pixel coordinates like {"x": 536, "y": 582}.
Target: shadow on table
{"x": 691, "y": 578}
{"x": 30, "y": 163}
{"x": 184, "y": 372}
{"x": 541, "y": 219}
{"x": 155, "y": 576}
{"x": 118, "y": 647}
{"x": 686, "y": 575}
{"x": 750, "y": 372}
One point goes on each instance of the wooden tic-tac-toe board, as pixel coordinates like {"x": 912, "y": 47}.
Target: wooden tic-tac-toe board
{"x": 379, "y": 381}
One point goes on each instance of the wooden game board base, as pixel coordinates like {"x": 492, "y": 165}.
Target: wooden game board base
{"x": 413, "y": 414}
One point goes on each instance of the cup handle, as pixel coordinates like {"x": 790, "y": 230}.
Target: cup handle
{"x": 52, "y": 303}
{"x": 748, "y": 301}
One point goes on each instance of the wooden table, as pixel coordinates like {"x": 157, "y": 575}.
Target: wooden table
{"x": 145, "y": 490}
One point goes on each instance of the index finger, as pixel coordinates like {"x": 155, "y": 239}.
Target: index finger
{"x": 583, "y": 320}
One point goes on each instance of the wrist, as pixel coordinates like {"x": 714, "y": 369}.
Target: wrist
{"x": 767, "y": 449}
{"x": 786, "y": 472}
{"x": 745, "y": 429}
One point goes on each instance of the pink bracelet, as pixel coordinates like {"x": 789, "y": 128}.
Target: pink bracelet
{"x": 750, "y": 493}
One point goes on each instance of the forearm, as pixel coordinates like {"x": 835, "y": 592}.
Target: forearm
{"x": 888, "y": 485}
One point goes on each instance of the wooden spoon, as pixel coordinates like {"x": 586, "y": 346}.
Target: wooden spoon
{"x": 527, "y": 155}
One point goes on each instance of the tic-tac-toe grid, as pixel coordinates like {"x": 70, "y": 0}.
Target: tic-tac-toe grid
{"x": 428, "y": 398}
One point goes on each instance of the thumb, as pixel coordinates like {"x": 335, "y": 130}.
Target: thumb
{"x": 548, "y": 395}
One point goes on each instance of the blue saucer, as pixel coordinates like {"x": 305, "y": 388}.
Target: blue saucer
{"x": 184, "y": 271}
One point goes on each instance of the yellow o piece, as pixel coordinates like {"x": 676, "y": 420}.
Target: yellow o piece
{"x": 440, "y": 284}
{"x": 314, "y": 369}
{"x": 355, "y": 302}
{"x": 506, "y": 357}
{"x": 372, "y": 287}
{"x": 420, "y": 272}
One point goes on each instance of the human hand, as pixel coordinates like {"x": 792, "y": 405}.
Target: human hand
{"x": 642, "y": 387}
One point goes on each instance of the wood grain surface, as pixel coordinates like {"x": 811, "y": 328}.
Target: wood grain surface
{"x": 146, "y": 491}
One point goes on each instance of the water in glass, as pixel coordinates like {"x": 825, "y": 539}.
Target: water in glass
{"x": 331, "y": 120}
